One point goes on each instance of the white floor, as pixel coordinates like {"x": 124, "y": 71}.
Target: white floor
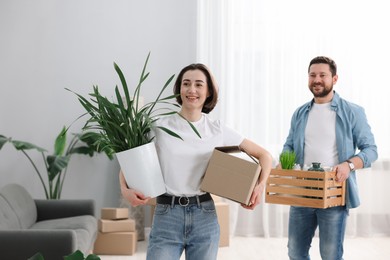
{"x": 249, "y": 248}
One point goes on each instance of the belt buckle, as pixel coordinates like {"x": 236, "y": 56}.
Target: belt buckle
{"x": 185, "y": 203}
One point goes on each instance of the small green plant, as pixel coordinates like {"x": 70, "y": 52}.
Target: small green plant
{"x": 287, "y": 159}
{"x": 77, "y": 255}
{"x": 56, "y": 164}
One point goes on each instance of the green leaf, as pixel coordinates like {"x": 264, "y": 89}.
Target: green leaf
{"x": 170, "y": 132}
{"x": 192, "y": 126}
{"x": 56, "y": 164}
{"x": 37, "y": 256}
{"x": 60, "y": 142}
{"x": 124, "y": 83}
{"x": 83, "y": 150}
{"x": 194, "y": 129}
{"x": 89, "y": 137}
{"x": 159, "y": 95}
{"x": 20, "y": 145}
{"x": 92, "y": 257}
{"x": 77, "y": 255}
{"x": 3, "y": 140}
{"x": 96, "y": 142}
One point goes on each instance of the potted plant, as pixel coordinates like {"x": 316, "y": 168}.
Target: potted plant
{"x": 56, "y": 164}
{"x": 287, "y": 160}
{"x": 125, "y": 126}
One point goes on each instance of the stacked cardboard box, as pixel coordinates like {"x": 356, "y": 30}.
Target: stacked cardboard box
{"x": 222, "y": 209}
{"x": 117, "y": 234}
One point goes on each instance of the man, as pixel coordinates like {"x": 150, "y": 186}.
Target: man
{"x": 334, "y": 132}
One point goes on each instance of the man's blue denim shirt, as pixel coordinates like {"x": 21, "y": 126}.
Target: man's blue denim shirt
{"x": 352, "y": 133}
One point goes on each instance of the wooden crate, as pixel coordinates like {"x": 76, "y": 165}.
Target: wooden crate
{"x": 304, "y": 188}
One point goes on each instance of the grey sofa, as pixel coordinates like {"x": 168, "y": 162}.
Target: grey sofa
{"x": 55, "y": 228}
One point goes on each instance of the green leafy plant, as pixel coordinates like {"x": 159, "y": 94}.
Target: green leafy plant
{"x": 56, "y": 164}
{"x": 287, "y": 159}
{"x": 124, "y": 124}
{"x": 77, "y": 255}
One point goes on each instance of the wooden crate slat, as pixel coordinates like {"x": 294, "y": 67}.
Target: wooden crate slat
{"x": 334, "y": 192}
{"x": 296, "y": 173}
{"x": 295, "y": 191}
{"x": 295, "y": 201}
{"x": 332, "y": 202}
{"x": 333, "y": 183}
{"x": 295, "y": 182}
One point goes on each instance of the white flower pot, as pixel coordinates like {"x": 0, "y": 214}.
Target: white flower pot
{"x": 142, "y": 170}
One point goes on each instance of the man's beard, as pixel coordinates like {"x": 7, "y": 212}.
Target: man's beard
{"x": 325, "y": 90}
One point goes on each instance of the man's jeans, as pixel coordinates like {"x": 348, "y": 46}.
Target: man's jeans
{"x": 302, "y": 225}
{"x": 194, "y": 228}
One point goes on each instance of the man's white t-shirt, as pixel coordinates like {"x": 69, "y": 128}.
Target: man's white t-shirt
{"x": 184, "y": 162}
{"x": 320, "y": 136}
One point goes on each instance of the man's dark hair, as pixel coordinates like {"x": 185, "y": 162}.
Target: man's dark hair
{"x": 325, "y": 60}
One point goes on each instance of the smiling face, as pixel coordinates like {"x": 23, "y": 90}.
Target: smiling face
{"x": 194, "y": 90}
{"x": 321, "y": 82}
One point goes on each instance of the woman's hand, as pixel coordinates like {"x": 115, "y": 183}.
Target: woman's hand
{"x": 256, "y": 196}
{"x": 135, "y": 198}
{"x": 265, "y": 160}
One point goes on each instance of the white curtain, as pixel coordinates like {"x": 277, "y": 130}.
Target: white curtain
{"x": 259, "y": 52}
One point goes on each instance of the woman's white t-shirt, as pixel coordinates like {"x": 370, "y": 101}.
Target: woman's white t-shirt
{"x": 184, "y": 162}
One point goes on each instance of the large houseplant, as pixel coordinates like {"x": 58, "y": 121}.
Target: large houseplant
{"x": 125, "y": 126}
{"x": 56, "y": 164}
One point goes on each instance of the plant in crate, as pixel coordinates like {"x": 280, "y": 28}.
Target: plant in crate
{"x": 56, "y": 164}
{"x": 125, "y": 126}
{"x": 287, "y": 159}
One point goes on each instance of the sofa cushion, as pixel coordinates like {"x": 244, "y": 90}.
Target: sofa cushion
{"x": 84, "y": 226}
{"x": 21, "y": 203}
{"x": 8, "y": 219}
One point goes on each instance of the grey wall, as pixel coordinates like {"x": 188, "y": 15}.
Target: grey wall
{"x": 47, "y": 45}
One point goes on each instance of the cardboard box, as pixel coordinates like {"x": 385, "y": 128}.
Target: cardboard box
{"x": 230, "y": 176}
{"x": 108, "y": 225}
{"x": 223, "y": 220}
{"x": 116, "y": 243}
{"x": 304, "y": 188}
{"x": 152, "y": 202}
{"x": 216, "y": 198}
{"x": 114, "y": 213}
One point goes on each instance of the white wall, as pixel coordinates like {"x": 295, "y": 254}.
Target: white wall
{"x": 47, "y": 45}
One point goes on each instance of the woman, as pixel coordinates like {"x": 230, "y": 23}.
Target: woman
{"x": 185, "y": 218}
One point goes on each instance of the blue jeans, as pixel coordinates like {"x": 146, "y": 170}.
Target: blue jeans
{"x": 302, "y": 225}
{"x": 194, "y": 229}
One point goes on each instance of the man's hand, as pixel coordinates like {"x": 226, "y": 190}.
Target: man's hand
{"x": 342, "y": 171}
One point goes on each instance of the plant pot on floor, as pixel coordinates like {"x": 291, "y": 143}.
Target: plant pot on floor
{"x": 141, "y": 169}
